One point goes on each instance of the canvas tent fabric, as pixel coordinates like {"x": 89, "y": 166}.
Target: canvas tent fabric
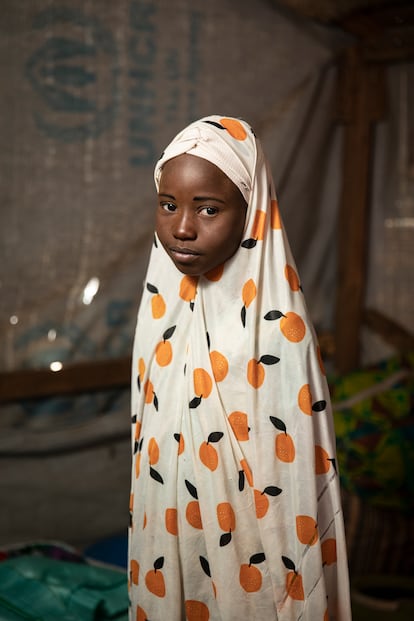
{"x": 92, "y": 92}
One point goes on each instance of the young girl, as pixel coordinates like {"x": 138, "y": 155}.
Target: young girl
{"x": 235, "y": 504}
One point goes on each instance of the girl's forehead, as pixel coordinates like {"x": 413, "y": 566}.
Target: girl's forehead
{"x": 195, "y": 167}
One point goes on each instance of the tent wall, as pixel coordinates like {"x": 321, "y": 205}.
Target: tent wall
{"x": 93, "y": 92}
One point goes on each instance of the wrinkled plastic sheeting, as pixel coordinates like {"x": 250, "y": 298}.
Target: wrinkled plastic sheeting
{"x": 44, "y": 589}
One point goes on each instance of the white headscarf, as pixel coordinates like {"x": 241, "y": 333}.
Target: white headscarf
{"x": 235, "y": 497}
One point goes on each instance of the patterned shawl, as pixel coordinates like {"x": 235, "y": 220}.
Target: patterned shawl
{"x": 235, "y": 503}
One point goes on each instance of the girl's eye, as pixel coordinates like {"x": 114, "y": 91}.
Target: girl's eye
{"x": 209, "y": 211}
{"x": 168, "y": 206}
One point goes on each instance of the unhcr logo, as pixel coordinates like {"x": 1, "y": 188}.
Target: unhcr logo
{"x": 74, "y": 73}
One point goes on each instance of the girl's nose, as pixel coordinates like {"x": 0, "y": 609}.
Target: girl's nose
{"x": 185, "y": 227}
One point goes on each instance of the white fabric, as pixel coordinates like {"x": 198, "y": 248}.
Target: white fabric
{"x": 256, "y": 457}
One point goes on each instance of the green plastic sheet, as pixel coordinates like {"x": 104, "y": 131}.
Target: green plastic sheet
{"x": 42, "y": 589}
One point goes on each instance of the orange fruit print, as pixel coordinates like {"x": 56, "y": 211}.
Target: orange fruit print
{"x": 226, "y": 517}
{"x": 148, "y": 391}
{"x": 285, "y": 447}
{"x": 207, "y": 453}
{"x": 255, "y": 373}
{"x": 193, "y": 514}
{"x": 305, "y": 399}
{"x": 163, "y": 353}
{"x": 292, "y": 277}
{"x": 275, "y": 221}
{"x": 259, "y": 223}
{"x": 261, "y": 502}
{"x": 250, "y": 576}
{"x": 234, "y": 127}
{"x": 292, "y": 327}
{"x": 134, "y": 571}
{"x": 328, "y": 550}
{"x": 141, "y": 614}
{"x": 137, "y": 464}
{"x": 306, "y": 529}
{"x": 188, "y": 288}
{"x": 157, "y": 306}
{"x": 196, "y": 611}
{"x": 137, "y": 429}
{"x": 248, "y": 292}
{"x": 202, "y": 383}
{"x": 239, "y": 424}
{"x": 154, "y": 578}
{"x": 248, "y": 473}
{"x": 153, "y": 451}
{"x": 171, "y": 521}
{"x": 219, "y": 365}
{"x": 208, "y": 456}
{"x": 294, "y": 585}
{"x": 322, "y": 460}
{"x": 141, "y": 369}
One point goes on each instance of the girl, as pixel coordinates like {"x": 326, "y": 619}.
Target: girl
{"x": 235, "y": 504}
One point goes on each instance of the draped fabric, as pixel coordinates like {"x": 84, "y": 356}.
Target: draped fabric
{"x": 235, "y": 505}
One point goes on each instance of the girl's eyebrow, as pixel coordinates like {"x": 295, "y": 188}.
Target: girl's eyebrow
{"x": 208, "y": 198}
{"x": 196, "y": 198}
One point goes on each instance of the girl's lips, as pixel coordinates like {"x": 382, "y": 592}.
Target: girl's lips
{"x": 184, "y": 254}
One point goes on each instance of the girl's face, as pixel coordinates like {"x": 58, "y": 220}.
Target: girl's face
{"x": 200, "y": 215}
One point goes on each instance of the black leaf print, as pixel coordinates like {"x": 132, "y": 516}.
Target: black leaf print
{"x": 152, "y": 288}
{"x": 255, "y": 559}
{"x": 156, "y": 475}
{"x": 288, "y": 563}
{"x": 279, "y": 424}
{"x": 155, "y": 401}
{"x": 243, "y": 316}
{"x": 225, "y": 539}
{"x": 159, "y": 563}
{"x": 273, "y": 314}
{"x": 249, "y": 243}
{"x": 272, "y": 490}
{"x": 192, "y": 490}
{"x": 268, "y": 359}
{"x": 191, "y": 306}
{"x": 194, "y": 403}
{"x": 319, "y": 406}
{"x": 205, "y": 565}
{"x": 215, "y": 436}
{"x": 241, "y": 480}
{"x": 134, "y": 419}
{"x": 139, "y": 383}
{"x": 168, "y": 333}
{"x": 208, "y": 340}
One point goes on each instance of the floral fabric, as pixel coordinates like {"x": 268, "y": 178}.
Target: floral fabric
{"x": 235, "y": 505}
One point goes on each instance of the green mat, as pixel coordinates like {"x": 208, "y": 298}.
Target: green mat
{"x": 42, "y": 589}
